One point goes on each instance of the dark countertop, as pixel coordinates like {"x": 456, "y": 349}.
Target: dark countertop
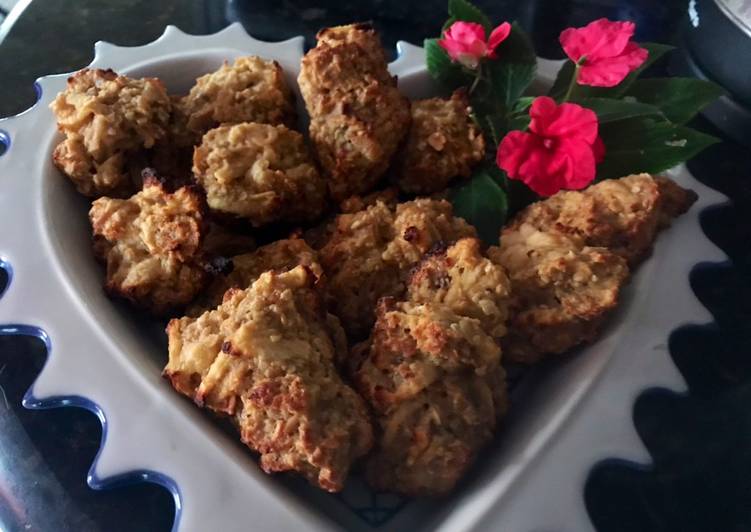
{"x": 701, "y": 479}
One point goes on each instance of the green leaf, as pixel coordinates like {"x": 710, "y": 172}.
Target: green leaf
{"x": 492, "y": 123}
{"x": 491, "y": 117}
{"x": 466, "y": 11}
{"x": 522, "y": 104}
{"x": 495, "y": 173}
{"x": 517, "y": 48}
{"x": 447, "y": 24}
{"x": 520, "y": 122}
{"x": 679, "y": 99}
{"x": 447, "y": 73}
{"x": 645, "y": 145}
{"x": 562, "y": 81}
{"x": 520, "y": 196}
{"x": 510, "y": 80}
{"x": 514, "y": 70}
{"x": 609, "y": 110}
{"x": 483, "y": 203}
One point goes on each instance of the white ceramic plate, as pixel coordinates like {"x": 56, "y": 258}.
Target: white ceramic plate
{"x": 565, "y": 417}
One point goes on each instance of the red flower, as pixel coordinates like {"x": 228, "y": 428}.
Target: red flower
{"x": 465, "y": 42}
{"x": 559, "y": 152}
{"x": 606, "y": 49}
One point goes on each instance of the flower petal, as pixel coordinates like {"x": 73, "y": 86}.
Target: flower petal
{"x": 457, "y": 49}
{"x": 464, "y": 42}
{"x": 598, "y": 147}
{"x": 514, "y": 149}
{"x": 567, "y": 164}
{"x": 524, "y": 157}
{"x": 542, "y": 112}
{"x": 497, "y": 36}
{"x": 466, "y": 32}
{"x": 565, "y": 120}
{"x": 453, "y": 48}
{"x": 599, "y": 39}
{"x": 545, "y": 171}
{"x": 580, "y": 157}
{"x": 609, "y": 72}
{"x": 604, "y": 73}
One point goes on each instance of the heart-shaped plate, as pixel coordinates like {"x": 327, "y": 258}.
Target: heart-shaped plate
{"x": 565, "y": 416}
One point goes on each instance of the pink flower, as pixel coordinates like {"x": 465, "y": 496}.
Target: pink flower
{"x": 607, "y": 51}
{"x": 560, "y": 150}
{"x": 465, "y": 42}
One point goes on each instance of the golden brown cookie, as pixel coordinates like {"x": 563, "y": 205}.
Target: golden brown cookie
{"x": 369, "y": 254}
{"x": 460, "y": 277}
{"x": 434, "y": 380}
{"x": 151, "y": 245}
{"x": 562, "y": 290}
{"x": 259, "y": 172}
{"x": 105, "y": 118}
{"x": 246, "y": 268}
{"x": 622, "y": 215}
{"x": 251, "y": 89}
{"x": 443, "y": 143}
{"x": 357, "y": 116}
{"x": 265, "y": 359}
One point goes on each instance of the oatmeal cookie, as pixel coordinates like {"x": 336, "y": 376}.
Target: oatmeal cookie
{"x": 569, "y": 255}
{"x": 357, "y": 116}
{"x": 245, "y": 269}
{"x": 464, "y": 280}
{"x": 420, "y": 224}
{"x": 318, "y": 235}
{"x": 250, "y": 90}
{"x": 622, "y": 215}
{"x": 369, "y": 254}
{"x": 151, "y": 245}
{"x": 562, "y": 290}
{"x": 259, "y": 172}
{"x": 106, "y": 117}
{"x": 265, "y": 359}
{"x": 435, "y": 383}
{"x": 443, "y": 143}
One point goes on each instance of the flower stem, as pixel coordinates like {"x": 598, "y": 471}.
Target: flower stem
{"x": 478, "y": 77}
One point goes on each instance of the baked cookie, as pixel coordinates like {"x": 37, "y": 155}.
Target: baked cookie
{"x": 265, "y": 359}
{"x": 151, "y": 245}
{"x": 105, "y": 118}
